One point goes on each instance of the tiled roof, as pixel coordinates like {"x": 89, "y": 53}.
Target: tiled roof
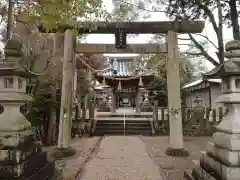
{"x": 115, "y": 72}
{"x": 111, "y": 73}
{"x": 123, "y": 67}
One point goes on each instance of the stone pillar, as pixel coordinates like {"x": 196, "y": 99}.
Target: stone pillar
{"x": 113, "y": 108}
{"x": 174, "y": 98}
{"x": 68, "y": 72}
{"x": 137, "y": 100}
{"x": 222, "y": 160}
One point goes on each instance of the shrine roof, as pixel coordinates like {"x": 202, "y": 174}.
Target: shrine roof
{"x": 124, "y": 67}
{"x": 123, "y": 73}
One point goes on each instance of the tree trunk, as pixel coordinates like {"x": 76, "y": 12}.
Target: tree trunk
{"x": 220, "y": 33}
{"x": 10, "y": 19}
{"x": 234, "y": 19}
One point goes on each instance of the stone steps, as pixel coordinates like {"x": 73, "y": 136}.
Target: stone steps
{"x": 119, "y": 132}
{"x": 116, "y": 127}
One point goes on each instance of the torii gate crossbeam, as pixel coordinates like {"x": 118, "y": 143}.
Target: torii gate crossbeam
{"x": 147, "y": 27}
{"x": 131, "y": 48}
{"x": 176, "y": 147}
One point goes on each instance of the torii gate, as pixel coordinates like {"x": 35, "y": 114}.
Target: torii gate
{"x": 120, "y": 29}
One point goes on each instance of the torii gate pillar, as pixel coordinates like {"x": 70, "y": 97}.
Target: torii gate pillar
{"x": 174, "y": 98}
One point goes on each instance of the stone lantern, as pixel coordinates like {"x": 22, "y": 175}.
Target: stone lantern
{"x": 104, "y": 105}
{"x": 146, "y": 106}
{"x": 198, "y": 101}
{"x": 21, "y": 157}
{"x": 222, "y": 160}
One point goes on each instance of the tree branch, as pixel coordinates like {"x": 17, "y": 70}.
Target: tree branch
{"x": 201, "y": 49}
{"x": 207, "y": 40}
{"x": 209, "y": 14}
{"x": 192, "y": 53}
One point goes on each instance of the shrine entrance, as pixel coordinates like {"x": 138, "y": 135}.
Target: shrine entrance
{"x": 121, "y": 29}
{"x": 125, "y": 98}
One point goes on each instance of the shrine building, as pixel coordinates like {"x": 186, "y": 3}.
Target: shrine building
{"x": 126, "y": 79}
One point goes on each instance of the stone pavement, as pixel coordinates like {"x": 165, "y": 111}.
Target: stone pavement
{"x": 120, "y": 158}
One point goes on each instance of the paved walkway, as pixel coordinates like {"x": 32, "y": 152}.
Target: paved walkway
{"x": 121, "y": 158}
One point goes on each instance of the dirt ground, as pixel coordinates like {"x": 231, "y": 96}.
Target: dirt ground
{"x": 172, "y": 168}
{"x": 68, "y": 169}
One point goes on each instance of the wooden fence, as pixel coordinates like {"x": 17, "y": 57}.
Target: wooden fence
{"x": 196, "y": 121}
{"x": 212, "y": 115}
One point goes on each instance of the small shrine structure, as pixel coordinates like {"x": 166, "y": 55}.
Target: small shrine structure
{"x": 126, "y": 80}
{"x": 222, "y": 160}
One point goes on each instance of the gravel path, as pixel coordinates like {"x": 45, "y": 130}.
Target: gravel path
{"x": 120, "y": 158}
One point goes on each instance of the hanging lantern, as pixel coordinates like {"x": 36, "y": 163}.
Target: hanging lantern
{"x": 104, "y": 85}
{"x": 104, "y": 82}
{"x": 90, "y": 79}
{"x": 89, "y": 75}
{"x": 140, "y": 84}
{"x": 119, "y": 86}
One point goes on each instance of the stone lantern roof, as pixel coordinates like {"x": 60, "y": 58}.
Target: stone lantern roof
{"x": 229, "y": 67}
{"x": 11, "y": 64}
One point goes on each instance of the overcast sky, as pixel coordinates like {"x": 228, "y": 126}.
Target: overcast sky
{"x": 145, "y": 38}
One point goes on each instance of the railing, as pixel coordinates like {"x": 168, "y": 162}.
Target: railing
{"x": 124, "y": 124}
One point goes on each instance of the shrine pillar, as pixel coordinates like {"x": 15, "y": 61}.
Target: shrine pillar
{"x": 137, "y": 100}
{"x": 114, "y": 94}
{"x": 174, "y": 98}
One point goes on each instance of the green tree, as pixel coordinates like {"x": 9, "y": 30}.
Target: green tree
{"x": 41, "y": 55}
{"x": 157, "y": 62}
{"x": 52, "y": 13}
